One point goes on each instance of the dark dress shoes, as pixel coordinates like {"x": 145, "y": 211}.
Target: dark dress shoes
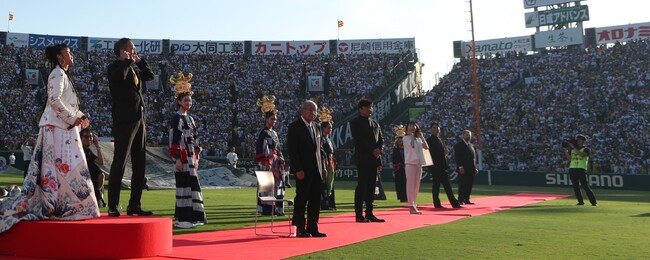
{"x": 317, "y": 234}
{"x": 457, "y": 206}
{"x": 375, "y": 219}
{"x": 580, "y": 204}
{"x": 467, "y": 202}
{"x": 138, "y": 211}
{"x": 439, "y": 207}
{"x": 113, "y": 212}
{"x": 302, "y": 233}
{"x": 362, "y": 220}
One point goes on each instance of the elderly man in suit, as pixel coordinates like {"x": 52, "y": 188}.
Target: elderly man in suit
{"x": 304, "y": 139}
{"x": 465, "y": 157}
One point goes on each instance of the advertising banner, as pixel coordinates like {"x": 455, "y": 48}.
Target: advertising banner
{"x": 400, "y": 45}
{"x": 290, "y": 47}
{"x": 18, "y": 39}
{"x": 206, "y": 47}
{"x": 536, "y": 3}
{"x": 513, "y": 44}
{"x": 39, "y": 41}
{"x": 622, "y": 33}
{"x": 141, "y": 45}
{"x": 557, "y": 16}
{"x": 556, "y": 38}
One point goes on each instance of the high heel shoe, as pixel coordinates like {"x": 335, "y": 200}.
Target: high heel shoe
{"x": 414, "y": 210}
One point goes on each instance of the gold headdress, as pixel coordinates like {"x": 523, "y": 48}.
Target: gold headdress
{"x": 326, "y": 115}
{"x": 267, "y": 103}
{"x": 400, "y": 131}
{"x": 182, "y": 84}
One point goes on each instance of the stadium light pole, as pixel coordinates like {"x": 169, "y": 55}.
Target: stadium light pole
{"x": 477, "y": 114}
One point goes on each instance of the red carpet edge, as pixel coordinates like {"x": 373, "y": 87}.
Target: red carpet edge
{"x": 341, "y": 230}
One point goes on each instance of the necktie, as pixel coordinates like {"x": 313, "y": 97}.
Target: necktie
{"x": 311, "y": 132}
{"x": 135, "y": 77}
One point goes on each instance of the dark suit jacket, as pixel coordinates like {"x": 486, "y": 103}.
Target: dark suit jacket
{"x": 465, "y": 156}
{"x": 367, "y": 136}
{"x": 304, "y": 154}
{"x": 127, "y": 102}
{"x": 437, "y": 151}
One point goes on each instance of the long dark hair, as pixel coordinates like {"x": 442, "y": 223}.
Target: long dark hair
{"x": 51, "y": 53}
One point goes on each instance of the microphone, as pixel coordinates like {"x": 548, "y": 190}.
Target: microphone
{"x": 82, "y": 118}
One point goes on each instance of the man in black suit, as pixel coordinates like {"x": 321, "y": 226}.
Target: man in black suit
{"x": 129, "y": 132}
{"x": 465, "y": 157}
{"x": 368, "y": 142}
{"x": 439, "y": 152}
{"x": 306, "y": 164}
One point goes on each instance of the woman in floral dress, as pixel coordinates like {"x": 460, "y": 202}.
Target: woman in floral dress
{"x": 58, "y": 185}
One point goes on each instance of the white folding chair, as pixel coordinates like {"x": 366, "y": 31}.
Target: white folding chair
{"x": 266, "y": 185}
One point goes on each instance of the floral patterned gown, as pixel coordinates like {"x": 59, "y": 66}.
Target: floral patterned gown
{"x": 57, "y": 186}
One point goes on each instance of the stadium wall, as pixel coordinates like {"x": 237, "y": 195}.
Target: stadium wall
{"x": 508, "y": 178}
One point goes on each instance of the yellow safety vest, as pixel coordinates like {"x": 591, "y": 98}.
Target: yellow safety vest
{"x": 578, "y": 161}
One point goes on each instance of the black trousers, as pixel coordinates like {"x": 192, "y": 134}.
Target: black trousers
{"x": 441, "y": 176}
{"x": 465, "y": 185}
{"x": 579, "y": 178}
{"x": 400, "y": 184}
{"x": 26, "y": 165}
{"x": 365, "y": 191}
{"x": 308, "y": 195}
{"x": 128, "y": 139}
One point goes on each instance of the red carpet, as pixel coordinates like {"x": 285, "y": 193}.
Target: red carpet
{"x": 87, "y": 239}
{"x": 242, "y": 243}
{"x": 341, "y": 230}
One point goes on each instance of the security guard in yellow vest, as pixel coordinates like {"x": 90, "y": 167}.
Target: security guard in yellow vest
{"x": 579, "y": 157}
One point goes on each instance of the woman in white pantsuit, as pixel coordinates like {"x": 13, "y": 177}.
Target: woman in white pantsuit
{"x": 414, "y": 144}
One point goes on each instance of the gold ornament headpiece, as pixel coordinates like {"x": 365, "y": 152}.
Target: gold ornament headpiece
{"x": 326, "y": 115}
{"x": 267, "y": 103}
{"x": 182, "y": 84}
{"x": 400, "y": 131}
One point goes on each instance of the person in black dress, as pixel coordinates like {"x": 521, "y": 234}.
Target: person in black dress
{"x": 398, "y": 164}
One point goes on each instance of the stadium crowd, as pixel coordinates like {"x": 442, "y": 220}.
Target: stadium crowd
{"x": 529, "y": 103}
{"x": 226, "y": 88}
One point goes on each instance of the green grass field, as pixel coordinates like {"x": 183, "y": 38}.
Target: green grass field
{"x": 618, "y": 228}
